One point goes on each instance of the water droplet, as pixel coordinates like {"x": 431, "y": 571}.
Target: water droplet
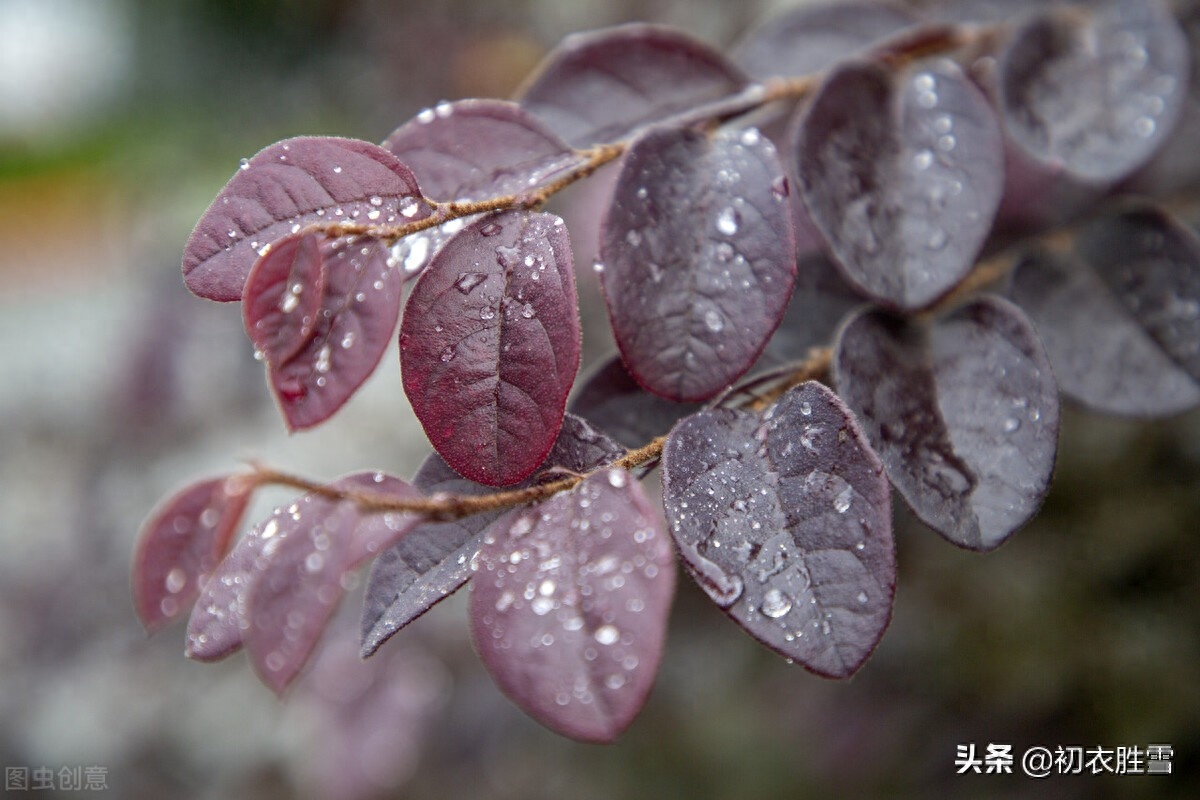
{"x": 541, "y": 606}
{"x": 728, "y": 221}
{"x": 616, "y": 478}
{"x": 714, "y": 321}
{"x": 862, "y": 597}
{"x": 775, "y": 603}
{"x": 607, "y": 634}
{"x": 841, "y": 503}
{"x": 806, "y": 408}
{"x": 597, "y": 266}
{"x": 409, "y": 207}
{"x": 426, "y": 116}
{"x": 923, "y": 159}
{"x": 1011, "y": 425}
{"x": 937, "y": 239}
{"x": 244, "y": 164}
{"x": 487, "y": 312}
{"x": 348, "y": 340}
{"x": 314, "y": 562}
{"x": 947, "y": 142}
{"x": 468, "y": 281}
{"x": 176, "y": 579}
{"x": 751, "y": 137}
{"x": 447, "y": 355}
{"x": 615, "y": 681}
{"x": 633, "y": 238}
{"x": 491, "y": 229}
{"x": 323, "y": 359}
{"x": 337, "y": 169}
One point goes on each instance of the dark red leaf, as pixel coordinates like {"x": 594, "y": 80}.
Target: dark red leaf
{"x": 569, "y": 605}
{"x": 489, "y": 345}
{"x": 181, "y": 543}
{"x": 963, "y": 412}
{"x": 699, "y": 257}
{"x": 784, "y": 519}
{"x": 604, "y": 85}
{"x": 319, "y": 357}
{"x": 478, "y": 149}
{"x": 902, "y": 172}
{"x": 289, "y": 185}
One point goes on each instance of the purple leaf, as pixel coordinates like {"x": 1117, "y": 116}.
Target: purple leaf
{"x": 287, "y": 186}
{"x": 809, "y": 38}
{"x": 963, "y": 411}
{"x": 300, "y": 574}
{"x": 315, "y": 367}
{"x": 434, "y": 559}
{"x": 569, "y": 605}
{"x": 604, "y": 85}
{"x": 614, "y": 401}
{"x": 784, "y": 519}
{"x": 181, "y": 543}
{"x": 1097, "y": 91}
{"x": 698, "y": 252}
{"x": 478, "y": 149}
{"x": 902, "y": 172}
{"x": 489, "y": 345}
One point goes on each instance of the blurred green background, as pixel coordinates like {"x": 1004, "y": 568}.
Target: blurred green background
{"x": 119, "y": 121}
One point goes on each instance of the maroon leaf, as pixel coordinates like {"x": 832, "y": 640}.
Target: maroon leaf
{"x": 963, "y": 411}
{"x": 478, "y": 149}
{"x": 301, "y": 574}
{"x": 698, "y": 252}
{"x": 784, "y": 519}
{"x": 489, "y": 345}
{"x": 281, "y": 305}
{"x": 569, "y": 605}
{"x": 602, "y": 86}
{"x": 289, "y": 185}
{"x": 318, "y": 357}
{"x": 181, "y": 543}
{"x": 902, "y": 172}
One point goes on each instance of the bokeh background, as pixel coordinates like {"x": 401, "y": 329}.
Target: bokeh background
{"x": 119, "y": 121}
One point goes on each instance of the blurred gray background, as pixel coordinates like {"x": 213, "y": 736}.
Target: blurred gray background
{"x": 119, "y": 121}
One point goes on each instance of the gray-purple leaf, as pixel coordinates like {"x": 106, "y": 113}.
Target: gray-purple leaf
{"x": 1151, "y": 262}
{"x": 902, "y": 172}
{"x": 285, "y": 187}
{"x": 478, "y": 149}
{"x": 1103, "y": 356}
{"x": 784, "y": 519}
{"x": 314, "y": 368}
{"x": 811, "y": 37}
{"x": 569, "y": 605}
{"x": 434, "y": 559}
{"x": 614, "y": 401}
{"x": 963, "y": 412}
{"x": 489, "y": 345}
{"x": 604, "y": 85}
{"x": 1096, "y": 91}
{"x": 698, "y": 251}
